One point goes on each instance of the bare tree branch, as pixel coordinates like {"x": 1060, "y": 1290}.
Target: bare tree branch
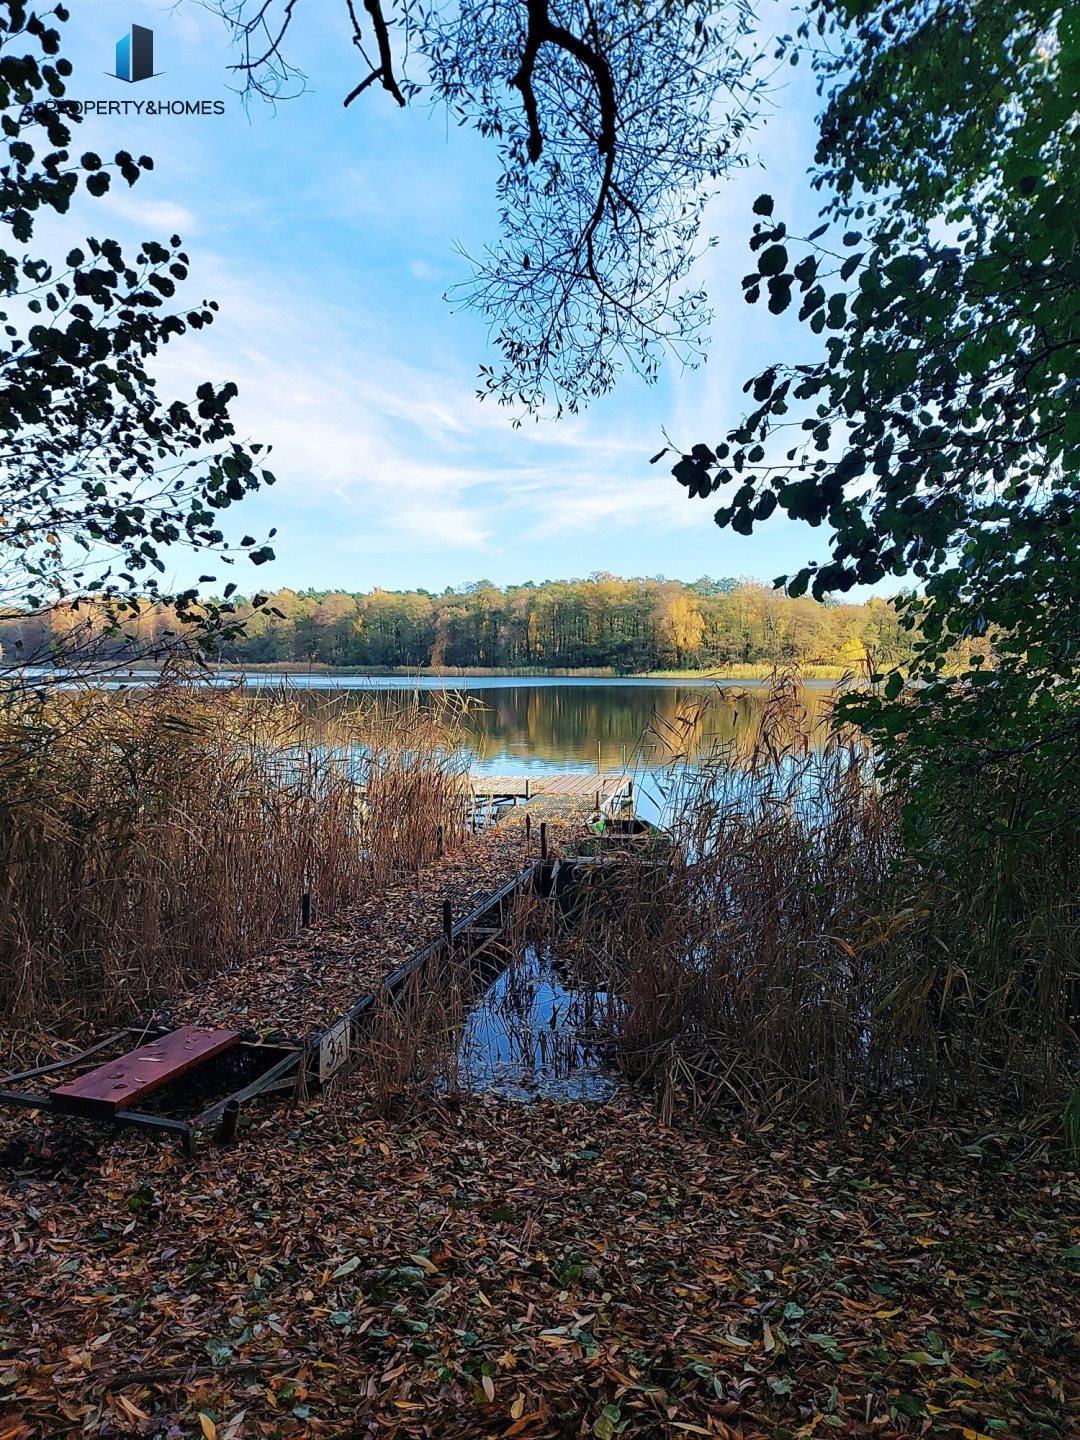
{"x": 613, "y": 121}
{"x": 385, "y": 71}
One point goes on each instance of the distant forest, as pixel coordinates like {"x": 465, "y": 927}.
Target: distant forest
{"x": 603, "y": 623}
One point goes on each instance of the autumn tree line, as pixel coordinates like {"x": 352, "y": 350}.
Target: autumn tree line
{"x": 603, "y": 623}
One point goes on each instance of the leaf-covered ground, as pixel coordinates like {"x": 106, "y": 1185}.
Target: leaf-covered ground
{"x": 535, "y": 1270}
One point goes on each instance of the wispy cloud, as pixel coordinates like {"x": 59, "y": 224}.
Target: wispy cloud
{"x": 397, "y": 450}
{"x": 152, "y": 217}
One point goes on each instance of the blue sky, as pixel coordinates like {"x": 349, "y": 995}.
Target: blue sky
{"x": 328, "y": 237}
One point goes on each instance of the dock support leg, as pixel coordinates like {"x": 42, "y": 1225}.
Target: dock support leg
{"x": 230, "y": 1122}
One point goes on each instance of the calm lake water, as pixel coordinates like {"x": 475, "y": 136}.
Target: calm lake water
{"x": 516, "y": 726}
{"x": 537, "y": 726}
{"x": 551, "y": 723}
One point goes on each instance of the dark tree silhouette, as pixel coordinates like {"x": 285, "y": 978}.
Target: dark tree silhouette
{"x": 612, "y": 121}
{"x": 99, "y": 475}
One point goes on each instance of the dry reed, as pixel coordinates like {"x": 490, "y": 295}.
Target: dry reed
{"x": 794, "y": 953}
{"x": 150, "y": 837}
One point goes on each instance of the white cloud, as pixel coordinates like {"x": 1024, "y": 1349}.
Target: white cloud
{"x": 154, "y": 218}
{"x": 394, "y": 454}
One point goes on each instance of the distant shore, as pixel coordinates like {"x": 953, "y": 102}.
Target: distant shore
{"x": 458, "y": 672}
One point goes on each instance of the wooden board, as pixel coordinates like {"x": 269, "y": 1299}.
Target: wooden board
{"x": 124, "y": 1081}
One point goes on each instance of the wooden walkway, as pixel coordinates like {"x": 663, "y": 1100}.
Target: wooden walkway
{"x": 586, "y": 786}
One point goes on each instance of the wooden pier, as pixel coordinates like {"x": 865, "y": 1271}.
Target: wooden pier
{"x": 602, "y": 790}
{"x": 164, "y": 1056}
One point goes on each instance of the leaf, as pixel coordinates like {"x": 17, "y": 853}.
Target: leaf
{"x": 772, "y": 260}
{"x": 489, "y": 1386}
{"x": 606, "y": 1423}
{"x": 909, "y": 1405}
{"x": 209, "y": 1429}
{"x": 347, "y": 1268}
{"x": 921, "y": 1357}
{"x": 132, "y": 1410}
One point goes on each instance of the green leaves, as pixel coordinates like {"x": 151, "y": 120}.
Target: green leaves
{"x": 947, "y": 375}
{"x": 609, "y": 1423}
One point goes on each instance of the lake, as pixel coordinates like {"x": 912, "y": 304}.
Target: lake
{"x": 545, "y": 723}
{"x": 536, "y": 726}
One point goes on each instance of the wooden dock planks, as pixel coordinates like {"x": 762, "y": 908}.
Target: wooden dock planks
{"x": 583, "y": 785}
{"x": 123, "y": 1082}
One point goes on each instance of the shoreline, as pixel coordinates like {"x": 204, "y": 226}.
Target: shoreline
{"x": 742, "y": 674}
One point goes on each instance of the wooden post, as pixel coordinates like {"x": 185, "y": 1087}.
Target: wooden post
{"x": 528, "y": 832}
{"x": 527, "y": 794}
{"x": 305, "y": 908}
{"x": 447, "y": 921}
{"x": 230, "y": 1121}
{"x": 543, "y": 840}
{"x": 599, "y": 766}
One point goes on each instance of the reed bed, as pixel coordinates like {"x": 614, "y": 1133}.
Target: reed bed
{"x": 151, "y": 837}
{"x": 786, "y": 951}
{"x": 798, "y": 953}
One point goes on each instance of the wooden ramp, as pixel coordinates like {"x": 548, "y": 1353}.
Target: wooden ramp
{"x": 124, "y": 1081}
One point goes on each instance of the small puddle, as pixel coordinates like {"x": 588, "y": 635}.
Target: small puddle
{"x": 534, "y": 1035}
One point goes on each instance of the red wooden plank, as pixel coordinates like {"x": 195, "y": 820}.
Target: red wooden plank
{"x": 122, "y": 1082}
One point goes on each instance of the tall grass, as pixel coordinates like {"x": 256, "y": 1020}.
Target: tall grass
{"x": 152, "y": 836}
{"x": 796, "y": 952}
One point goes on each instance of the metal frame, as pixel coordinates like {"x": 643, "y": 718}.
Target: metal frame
{"x": 289, "y": 1059}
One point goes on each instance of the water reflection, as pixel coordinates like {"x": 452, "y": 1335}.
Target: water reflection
{"x": 534, "y": 1034}
{"x": 515, "y": 727}
{"x": 616, "y": 726}
{"x": 551, "y": 723}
